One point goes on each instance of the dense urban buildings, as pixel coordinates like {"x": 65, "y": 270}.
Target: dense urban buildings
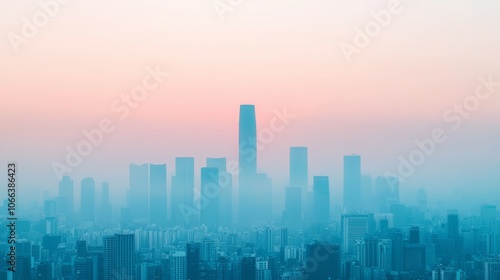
{"x": 200, "y": 227}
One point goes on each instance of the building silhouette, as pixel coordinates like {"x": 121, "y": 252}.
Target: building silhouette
{"x": 87, "y": 197}
{"x": 66, "y": 197}
{"x": 247, "y": 150}
{"x": 183, "y": 191}
{"x": 158, "y": 194}
{"x": 209, "y": 202}
{"x": 138, "y": 194}
{"x": 352, "y": 182}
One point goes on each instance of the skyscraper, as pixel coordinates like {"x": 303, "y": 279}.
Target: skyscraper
{"x": 66, "y": 197}
{"x": 247, "y": 149}
{"x": 225, "y": 191}
{"x": 138, "y": 199}
{"x": 158, "y": 194}
{"x": 248, "y": 268}
{"x": 292, "y": 216}
{"x": 106, "y": 208}
{"x": 453, "y": 226}
{"x": 178, "y": 266}
{"x": 328, "y": 266}
{"x": 183, "y": 191}
{"x": 296, "y": 193}
{"x": 209, "y": 205}
{"x": 247, "y": 141}
{"x": 87, "y": 199}
{"x": 193, "y": 261}
{"x": 321, "y": 200}
{"x": 298, "y": 168}
{"x": 125, "y": 254}
{"x": 299, "y": 173}
{"x": 352, "y": 182}
{"x": 387, "y": 192}
{"x": 354, "y": 227}
{"x": 119, "y": 256}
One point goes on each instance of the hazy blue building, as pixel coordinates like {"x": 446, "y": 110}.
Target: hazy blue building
{"x": 249, "y": 268}
{"x": 453, "y": 226}
{"x": 119, "y": 256}
{"x": 352, "y": 182}
{"x": 355, "y": 227}
{"x": 299, "y": 172}
{"x": 193, "y": 261}
{"x": 106, "y": 207}
{"x": 321, "y": 200}
{"x": 138, "y": 196}
{"x": 292, "y": 215}
{"x": 66, "y": 197}
{"x": 87, "y": 199}
{"x": 387, "y": 192}
{"x": 183, "y": 191}
{"x": 158, "y": 194}
{"x": 225, "y": 191}
{"x": 209, "y": 204}
{"x": 327, "y": 266}
{"x": 247, "y": 150}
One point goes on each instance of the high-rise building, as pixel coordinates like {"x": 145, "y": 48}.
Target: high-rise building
{"x": 88, "y": 199}
{"x": 193, "y": 261}
{"x": 119, "y": 256}
{"x": 328, "y": 266}
{"x": 106, "y": 209}
{"x": 352, "y": 182}
{"x": 66, "y": 197}
{"x": 247, "y": 141}
{"x": 298, "y": 168}
{"x": 384, "y": 255}
{"x": 492, "y": 270}
{"x": 183, "y": 192}
{"x": 453, "y": 226}
{"x": 354, "y": 227}
{"x": 209, "y": 203}
{"x": 224, "y": 269}
{"x": 321, "y": 200}
{"x": 387, "y": 192}
{"x": 299, "y": 173}
{"x": 488, "y": 216}
{"x": 158, "y": 194}
{"x": 178, "y": 266}
{"x": 397, "y": 241}
{"x": 138, "y": 195}
{"x": 248, "y": 268}
{"x": 225, "y": 191}
{"x": 125, "y": 253}
{"x": 247, "y": 144}
{"x": 292, "y": 215}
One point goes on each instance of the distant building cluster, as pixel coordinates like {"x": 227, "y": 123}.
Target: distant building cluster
{"x": 170, "y": 230}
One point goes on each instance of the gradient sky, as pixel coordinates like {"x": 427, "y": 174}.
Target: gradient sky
{"x": 274, "y": 54}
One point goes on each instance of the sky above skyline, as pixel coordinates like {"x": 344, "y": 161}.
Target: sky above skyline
{"x": 274, "y": 54}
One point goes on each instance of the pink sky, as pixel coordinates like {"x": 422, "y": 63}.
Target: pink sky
{"x": 273, "y": 54}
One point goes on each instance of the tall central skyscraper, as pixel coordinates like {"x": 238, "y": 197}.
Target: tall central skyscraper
{"x": 247, "y": 141}
{"x": 247, "y": 161}
{"x": 352, "y": 182}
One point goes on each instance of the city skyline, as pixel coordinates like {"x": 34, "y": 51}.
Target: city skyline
{"x": 273, "y": 55}
{"x": 250, "y": 140}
